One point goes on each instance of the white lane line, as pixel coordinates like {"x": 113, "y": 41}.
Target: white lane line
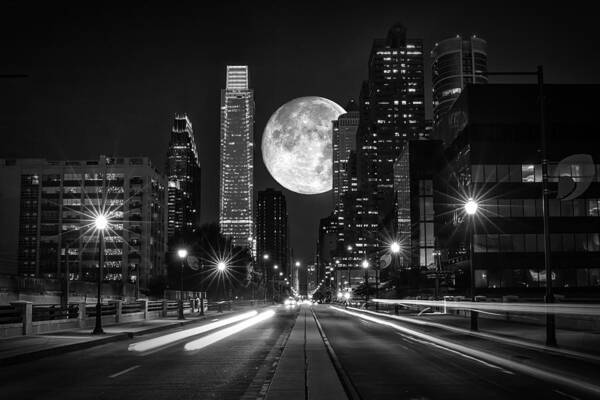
{"x": 568, "y": 396}
{"x": 124, "y": 371}
{"x": 214, "y": 320}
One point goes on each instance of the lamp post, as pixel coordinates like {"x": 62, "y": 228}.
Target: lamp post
{"x": 264, "y": 265}
{"x": 471, "y": 207}
{"x": 365, "y": 265}
{"x": 101, "y": 223}
{"x": 182, "y": 254}
{"x": 221, "y": 268}
{"x": 275, "y": 267}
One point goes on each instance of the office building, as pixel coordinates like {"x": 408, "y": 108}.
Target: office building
{"x": 493, "y": 157}
{"x": 236, "y": 191}
{"x": 183, "y": 174}
{"x": 343, "y": 143}
{"x": 414, "y": 176}
{"x": 48, "y": 210}
{"x": 457, "y": 62}
{"x": 272, "y": 233}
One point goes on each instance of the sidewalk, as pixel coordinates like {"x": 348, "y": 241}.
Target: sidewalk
{"x": 305, "y": 367}
{"x": 26, "y": 348}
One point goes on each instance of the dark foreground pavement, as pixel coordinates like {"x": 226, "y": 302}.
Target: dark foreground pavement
{"x": 235, "y": 367}
{"x": 386, "y": 363}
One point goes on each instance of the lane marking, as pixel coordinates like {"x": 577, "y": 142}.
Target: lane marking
{"x": 214, "y": 320}
{"x": 124, "y": 371}
{"x": 554, "y": 377}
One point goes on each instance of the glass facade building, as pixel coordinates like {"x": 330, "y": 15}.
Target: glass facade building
{"x": 493, "y": 156}
{"x": 457, "y": 62}
{"x": 236, "y": 198}
{"x": 183, "y": 174}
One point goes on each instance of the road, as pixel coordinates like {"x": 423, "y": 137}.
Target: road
{"x": 235, "y": 367}
{"x": 387, "y": 363}
{"x": 381, "y": 362}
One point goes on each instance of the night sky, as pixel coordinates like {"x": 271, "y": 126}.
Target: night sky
{"x": 108, "y": 80}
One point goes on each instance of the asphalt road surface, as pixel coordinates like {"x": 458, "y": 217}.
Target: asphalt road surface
{"x": 235, "y": 367}
{"x": 384, "y": 363}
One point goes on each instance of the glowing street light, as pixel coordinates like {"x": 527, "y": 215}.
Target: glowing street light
{"x": 471, "y": 207}
{"x": 395, "y": 247}
{"x": 365, "y": 264}
{"x": 100, "y": 223}
{"x": 182, "y": 254}
{"x": 221, "y": 266}
{"x": 297, "y": 263}
{"x": 275, "y": 266}
{"x": 265, "y": 256}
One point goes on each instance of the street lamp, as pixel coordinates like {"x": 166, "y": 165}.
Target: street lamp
{"x": 471, "y": 206}
{"x": 182, "y": 254}
{"x": 100, "y": 223}
{"x": 395, "y": 247}
{"x": 365, "y": 265}
{"x": 275, "y": 267}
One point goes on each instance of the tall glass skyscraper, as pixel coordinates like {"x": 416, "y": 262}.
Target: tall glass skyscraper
{"x": 344, "y": 142}
{"x": 183, "y": 172}
{"x": 392, "y": 104}
{"x": 236, "y": 200}
{"x": 457, "y": 62}
{"x": 272, "y": 233}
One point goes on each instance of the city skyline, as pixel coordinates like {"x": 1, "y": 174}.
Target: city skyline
{"x": 130, "y": 116}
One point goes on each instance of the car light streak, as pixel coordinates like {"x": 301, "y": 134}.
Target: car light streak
{"x": 555, "y": 378}
{"x": 533, "y": 308}
{"x": 489, "y": 336}
{"x": 222, "y": 334}
{"x": 151, "y": 344}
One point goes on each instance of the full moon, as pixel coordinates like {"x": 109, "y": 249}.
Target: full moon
{"x": 296, "y": 144}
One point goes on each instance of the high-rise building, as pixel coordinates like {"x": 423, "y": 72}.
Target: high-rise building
{"x": 49, "y": 208}
{"x": 236, "y": 200}
{"x": 344, "y": 142}
{"x": 414, "y": 175}
{"x": 392, "y": 105}
{"x": 457, "y": 62}
{"x": 272, "y": 232}
{"x": 183, "y": 174}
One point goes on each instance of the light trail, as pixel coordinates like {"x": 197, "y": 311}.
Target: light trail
{"x": 555, "y": 378}
{"x": 222, "y": 334}
{"x": 533, "y": 308}
{"x": 484, "y": 335}
{"x": 160, "y": 341}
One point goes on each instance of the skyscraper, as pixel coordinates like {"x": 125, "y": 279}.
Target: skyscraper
{"x": 344, "y": 142}
{"x": 272, "y": 232}
{"x": 236, "y": 200}
{"x": 183, "y": 173}
{"x": 456, "y": 62}
{"x": 392, "y": 111}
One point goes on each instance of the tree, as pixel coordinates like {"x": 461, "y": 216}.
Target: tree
{"x": 209, "y": 247}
